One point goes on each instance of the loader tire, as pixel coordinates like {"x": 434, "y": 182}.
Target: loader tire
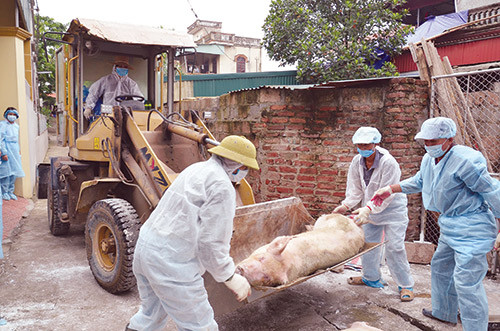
{"x": 56, "y": 226}
{"x": 111, "y": 231}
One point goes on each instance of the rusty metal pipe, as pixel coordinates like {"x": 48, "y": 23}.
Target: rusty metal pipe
{"x": 188, "y": 133}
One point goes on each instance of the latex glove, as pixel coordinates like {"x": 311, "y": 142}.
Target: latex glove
{"x": 362, "y": 215}
{"x": 381, "y": 195}
{"x": 497, "y": 242}
{"x": 341, "y": 209}
{"x": 239, "y": 286}
{"x": 87, "y": 113}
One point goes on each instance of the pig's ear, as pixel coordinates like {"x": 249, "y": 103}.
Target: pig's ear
{"x": 277, "y": 246}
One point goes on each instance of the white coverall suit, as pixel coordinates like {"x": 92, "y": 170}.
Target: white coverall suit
{"x": 187, "y": 233}
{"x": 109, "y": 87}
{"x": 391, "y": 217}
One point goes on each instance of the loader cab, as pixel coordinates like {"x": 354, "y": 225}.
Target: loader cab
{"x": 87, "y": 54}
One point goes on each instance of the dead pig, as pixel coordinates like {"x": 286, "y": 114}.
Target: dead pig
{"x": 334, "y": 238}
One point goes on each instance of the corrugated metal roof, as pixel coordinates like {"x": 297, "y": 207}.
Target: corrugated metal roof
{"x": 332, "y": 84}
{"x": 277, "y": 87}
{"x": 131, "y": 34}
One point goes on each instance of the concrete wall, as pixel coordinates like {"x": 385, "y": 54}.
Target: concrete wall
{"x": 471, "y": 4}
{"x": 303, "y": 137}
{"x": 16, "y": 90}
{"x": 227, "y": 61}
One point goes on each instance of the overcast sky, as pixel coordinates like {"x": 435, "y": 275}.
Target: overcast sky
{"x": 244, "y": 18}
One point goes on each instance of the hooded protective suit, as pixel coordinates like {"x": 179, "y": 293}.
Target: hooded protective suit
{"x": 391, "y": 217}
{"x": 188, "y": 233}
{"x": 12, "y": 168}
{"x": 109, "y": 87}
{"x": 460, "y": 188}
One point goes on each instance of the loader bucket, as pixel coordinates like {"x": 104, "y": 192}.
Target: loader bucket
{"x": 257, "y": 225}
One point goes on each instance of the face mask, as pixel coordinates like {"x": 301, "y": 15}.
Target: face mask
{"x": 435, "y": 151}
{"x": 122, "y": 71}
{"x": 11, "y": 118}
{"x": 238, "y": 176}
{"x": 366, "y": 153}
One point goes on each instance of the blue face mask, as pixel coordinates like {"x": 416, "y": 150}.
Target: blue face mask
{"x": 11, "y": 118}
{"x": 435, "y": 151}
{"x": 366, "y": 153}
{"x": 122, "y": 71}
{"x": 238, "y": 175}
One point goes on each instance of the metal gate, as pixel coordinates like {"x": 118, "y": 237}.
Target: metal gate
{"x": 472, "y": 99}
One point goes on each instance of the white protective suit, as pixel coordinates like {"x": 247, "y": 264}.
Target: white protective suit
{"x": 391, "y": 217}
{"x": 187, "y": 233}
{"x": 109, "y": 87}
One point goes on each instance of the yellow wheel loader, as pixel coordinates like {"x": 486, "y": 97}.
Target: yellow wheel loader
{"x": 119, "y": 165}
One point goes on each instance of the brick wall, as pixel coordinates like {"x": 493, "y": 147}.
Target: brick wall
{"x": 303, "y": 136}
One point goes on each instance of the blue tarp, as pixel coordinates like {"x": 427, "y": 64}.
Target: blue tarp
{"x": 436, "y": 25}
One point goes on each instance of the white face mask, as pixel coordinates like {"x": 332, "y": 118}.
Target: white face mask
{"x": 238, "y": 176}
{"x": 11, "y": 118}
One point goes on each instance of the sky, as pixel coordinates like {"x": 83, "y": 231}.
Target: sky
{"x": 241, "y": 17}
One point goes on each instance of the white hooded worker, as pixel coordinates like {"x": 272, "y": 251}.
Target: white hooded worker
{"x": 110, "y": 86}
{"x": 370, "y": 170}
{"x": 188, "y": 233}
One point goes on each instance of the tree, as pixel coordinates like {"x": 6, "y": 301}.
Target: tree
{"x": 335, "y": 39}
{"x": 46, "y": 81}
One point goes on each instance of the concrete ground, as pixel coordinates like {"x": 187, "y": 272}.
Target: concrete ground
{"x": 46, "y": 284}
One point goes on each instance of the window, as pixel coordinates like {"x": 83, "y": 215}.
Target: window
{"x": 241, "y": 61}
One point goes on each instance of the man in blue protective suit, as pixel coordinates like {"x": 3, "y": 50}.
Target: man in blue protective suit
{"x": 454, "y": 181}
{"x": 188, "y": 233}
{"x": 370, "y": 170}
{"x": 11, "y": 167}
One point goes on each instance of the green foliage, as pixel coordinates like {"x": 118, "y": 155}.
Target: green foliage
{"x": 334, "y": 39}
{"x": 46, "y": 82}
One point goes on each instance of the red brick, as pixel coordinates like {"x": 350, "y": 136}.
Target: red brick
{"x": 328, "y": 108}
{"x": 298, "y": 127}
{"x": 284, "y": 190}
{"x": 278, "y": 107}
{"x": 308, "y": 171}
{"x": 302, "y": 163}
{"x": 302, "y": 148}
{"x": 306, "y": 178}
{"x": 288, "y": 169}
{"x": 279, "y": 120}
{"x": 297, "y": 120}
{"x": 304, "y": 191}
{"x": 276, "y": 127}
{"x": 286, "y": 113}
{"x": 326, "y": 178}
{"x": 329, "y": 172}
{"x": 326, "y": 185}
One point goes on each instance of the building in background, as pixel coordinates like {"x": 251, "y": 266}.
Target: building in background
{"x": 472, "y": 44}
{"x": 220, "y": 53}
{"x": 18, "y": 87}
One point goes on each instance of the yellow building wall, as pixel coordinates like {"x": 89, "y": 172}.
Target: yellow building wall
{"x": 15, "y": 91}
